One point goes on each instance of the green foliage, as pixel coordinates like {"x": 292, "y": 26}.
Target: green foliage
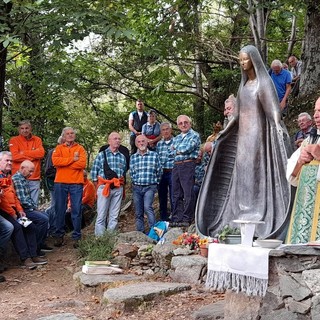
{"x": 97, "y": 248}
{"x": 226, "y": 231}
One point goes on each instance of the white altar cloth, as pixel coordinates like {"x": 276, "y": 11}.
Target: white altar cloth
{"x": 238, "y": 268}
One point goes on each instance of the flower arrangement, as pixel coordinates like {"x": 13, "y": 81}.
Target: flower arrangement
{"x": 193, "y": 241}
{"x": 190, "y": 240}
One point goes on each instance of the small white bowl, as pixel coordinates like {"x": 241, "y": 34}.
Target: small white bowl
{"x": 268, "y": 243}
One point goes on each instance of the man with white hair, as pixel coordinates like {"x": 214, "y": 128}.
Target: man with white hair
{"x": 70, "y": 160}
{"x": 186, "y": 148}
{"x": 282, "y": 81}
{"x": 305, "y": 125}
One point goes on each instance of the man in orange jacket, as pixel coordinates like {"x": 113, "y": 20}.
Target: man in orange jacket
{"x": 27, "y": 146}
{"x": 24, "y": 239}
{"x": 70, "y": 160}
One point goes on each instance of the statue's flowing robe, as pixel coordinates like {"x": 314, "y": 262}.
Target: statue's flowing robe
{"x": 245, "y": 178}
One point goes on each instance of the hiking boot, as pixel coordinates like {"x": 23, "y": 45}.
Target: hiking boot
{"x": 46, "y": 248}
{"x": 28, "y": 263}
{"x": 39, "y": 260}
{"x": 58, "y": 242}
{"x": 2, "y": 279}
{"x": 41, "y": 254}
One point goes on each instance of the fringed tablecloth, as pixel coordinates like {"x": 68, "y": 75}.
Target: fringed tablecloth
{"x": 238, "y": 268}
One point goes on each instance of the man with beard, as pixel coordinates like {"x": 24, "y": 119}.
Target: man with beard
{"x": 145, "y": 172}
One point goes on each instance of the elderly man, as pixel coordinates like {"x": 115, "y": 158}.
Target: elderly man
{"x": 108, "y": 174}
{"x": 27, "y": 146}
{"x": 24, "y": 239}
{"x": 136, "y": 120}
{"x": 70, "y": 160}
{"x": 166, "y": 155}
{"x": 305, "y": 125}
{"x": 228, "y": 112}
{"x": 186, "y": 147}
{"x": 303, "y": 172}
{"x": 282, "y": 81}
{"x": 296, "y": 68}
{"x": 39, "y": 218}
{"x": 145, "y": 172}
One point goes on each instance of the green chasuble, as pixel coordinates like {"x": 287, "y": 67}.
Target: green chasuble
{"x": 304, "y": 223}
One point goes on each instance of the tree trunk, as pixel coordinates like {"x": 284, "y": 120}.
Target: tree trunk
{"x": 309, "y": 82}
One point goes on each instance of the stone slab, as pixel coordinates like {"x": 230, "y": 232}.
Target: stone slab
{"x": 93, "y": 280}
{"x": 132, "y": 295}
{"x": 213, "y": 311}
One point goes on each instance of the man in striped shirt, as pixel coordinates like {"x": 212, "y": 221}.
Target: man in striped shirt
{"x": 108, "y": 175}
{"x": 145, "y": 172}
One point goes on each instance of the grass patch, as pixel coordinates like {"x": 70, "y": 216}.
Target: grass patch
{"x": 97, "y": 248}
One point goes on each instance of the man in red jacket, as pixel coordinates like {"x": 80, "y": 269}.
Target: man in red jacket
{"x": 70, "y": 160}
{"x": 27, "y": 146}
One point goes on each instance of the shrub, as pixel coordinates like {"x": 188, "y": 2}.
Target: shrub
{"x": 97, "y": 248}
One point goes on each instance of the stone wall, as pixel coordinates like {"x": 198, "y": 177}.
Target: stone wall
{"x": 293, "y": 290}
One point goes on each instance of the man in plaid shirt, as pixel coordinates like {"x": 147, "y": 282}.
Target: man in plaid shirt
{"x": 39, "y": 218}
{"x": 109, "y": 183}
{"x": 145, "y": 172}
{"x": 166, "y": 154}
{"x": 186, "y": 147}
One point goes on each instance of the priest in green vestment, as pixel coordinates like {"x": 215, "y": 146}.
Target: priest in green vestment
{"x": 303, "y": 172}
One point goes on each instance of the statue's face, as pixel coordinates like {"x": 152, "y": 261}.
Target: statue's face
{"x": 245, "y": 61}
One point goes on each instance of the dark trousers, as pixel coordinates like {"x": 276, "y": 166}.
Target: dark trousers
{"x": 182, "y": 192}
{"x": 24, "y": 239}
{"x": 133, "y": 144}
{"x": 41, "y": 221}
{"x": 165, "y": 187}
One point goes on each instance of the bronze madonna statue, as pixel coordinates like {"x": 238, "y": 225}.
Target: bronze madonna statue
{"x": 245, "y": 177}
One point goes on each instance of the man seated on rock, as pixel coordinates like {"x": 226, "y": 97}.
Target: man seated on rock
{"x": 6, "y": 229}
{"x": 88, "y": 201}
{"x": 24, "y": 239}
{"x": 39, "y": 218}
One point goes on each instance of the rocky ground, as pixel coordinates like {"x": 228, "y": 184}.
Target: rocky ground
{"x": 51, "y": 290}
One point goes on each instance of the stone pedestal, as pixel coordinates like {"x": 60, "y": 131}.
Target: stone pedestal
{"x": 293, "y": 289}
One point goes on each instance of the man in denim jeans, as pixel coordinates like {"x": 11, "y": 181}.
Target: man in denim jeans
{"x": 70, "y": 160}
{"x": 145, "y": 172}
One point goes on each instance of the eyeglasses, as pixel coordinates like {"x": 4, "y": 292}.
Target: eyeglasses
{"x": 183, "y": 122}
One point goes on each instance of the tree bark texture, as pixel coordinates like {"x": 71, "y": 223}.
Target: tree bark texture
{"x": 309, "y": 83}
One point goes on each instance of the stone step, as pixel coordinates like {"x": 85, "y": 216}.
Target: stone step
{"x": 129, "y": 297}
{"x": 94, "y": 280}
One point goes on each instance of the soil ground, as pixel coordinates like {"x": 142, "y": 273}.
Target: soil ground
{"x": 48, "y": 290}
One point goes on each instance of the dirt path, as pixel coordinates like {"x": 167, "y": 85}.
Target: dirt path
{"x": 31, "y": 294}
